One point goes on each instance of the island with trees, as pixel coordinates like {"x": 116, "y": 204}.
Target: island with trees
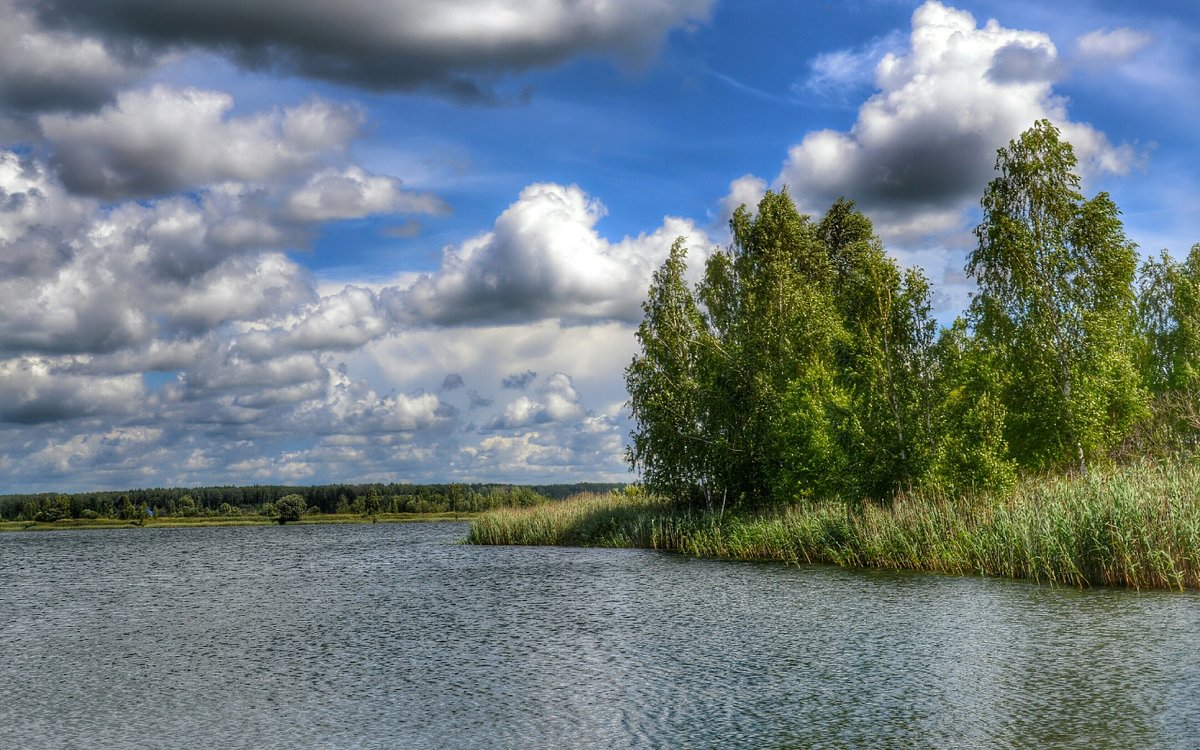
{"x": 801, "y": 403}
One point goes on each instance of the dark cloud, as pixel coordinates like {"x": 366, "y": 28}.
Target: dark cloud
{"x": 1019, "y": 63}
{"x": 519, "y": 381}
{"x": 57, "y": 70}
{"x": 452, "y": 382}
{"x": 456, "y": 49}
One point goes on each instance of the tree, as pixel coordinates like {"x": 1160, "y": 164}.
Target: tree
{"x": 732, "y": 392}
{"x": 884, "y": 359}
{"x": 374, "y": 502}
{"x": 770, "y": 310}
{"x": 1055, "y": 303}
{"x": 290, "y": 508}
{"x": 186, "y": 506}
{"x": 1169, "y": 321}
{"x": 969, "y": 416}
{"x": 671, "y": 442}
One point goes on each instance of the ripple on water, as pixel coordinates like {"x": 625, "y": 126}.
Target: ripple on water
{"x": 396, "y": 636}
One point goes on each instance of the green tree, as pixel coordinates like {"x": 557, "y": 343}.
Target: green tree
{"x": 186, "y": 506}
{"x": 131, "y": 511}
{"x": 971, "y": 452}
{"x": 885, "y": 358}
{"x": 373, "y": 503}
{"x": 771, "y": 313}
{"x": 1169, "y": 320}
{"x": 1055, "y": 302}
{"x": 53, "y": 508}
{"x": 290, "y": 508}
{"x": 670, "y": 443}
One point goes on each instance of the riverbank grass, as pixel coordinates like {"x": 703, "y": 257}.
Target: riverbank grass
{"x": 1137, "y": 526}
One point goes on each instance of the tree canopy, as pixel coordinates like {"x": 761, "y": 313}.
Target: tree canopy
{"x": 807, "y": 365}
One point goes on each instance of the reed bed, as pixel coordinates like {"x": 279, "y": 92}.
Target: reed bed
{"x": 1136, "y": 526}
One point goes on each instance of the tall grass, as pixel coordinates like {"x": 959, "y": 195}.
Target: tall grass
{"x": 1135, "y": 526}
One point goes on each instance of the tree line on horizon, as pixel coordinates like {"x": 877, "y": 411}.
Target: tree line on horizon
{"x": 807, "y": 365}
{"x": 360, "y": 499}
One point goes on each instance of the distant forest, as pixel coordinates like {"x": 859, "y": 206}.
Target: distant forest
{"x": 328, "y": 498}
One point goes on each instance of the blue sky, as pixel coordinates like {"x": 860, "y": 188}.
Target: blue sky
{"x": 258, "y": 241}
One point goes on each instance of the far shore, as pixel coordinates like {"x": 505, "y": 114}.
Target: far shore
{"x": 174, "y": 522}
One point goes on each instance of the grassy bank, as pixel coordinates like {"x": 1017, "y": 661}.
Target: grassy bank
{"x": 1137, "y": 526}
{"x": 244, "y": 520}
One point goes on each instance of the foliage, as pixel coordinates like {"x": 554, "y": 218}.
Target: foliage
{"x": 290, "y": 508}
{"x": 802, "y": 366}
{"x": 1056, "y": 306}
{"x": 807, "y": 365}
{"x": 226, "y": 501}
{"x": 673, "y": 444}
{"x": 885, "y": 359}
{"x": 1169, "y": 322}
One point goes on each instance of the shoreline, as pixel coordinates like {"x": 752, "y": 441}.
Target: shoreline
{"x": 92, "y": 524}
{"x": 1136, "y": 527}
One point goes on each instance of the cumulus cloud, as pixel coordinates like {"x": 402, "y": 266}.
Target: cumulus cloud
{"x": 352, "y": 193}
{"x": 556, "y": 401}
{"x": 180, "y": 315}
{"x": 241, "y": 288}
{"x": 746, "y": 190}
{"x": 453, "y": 48}
{"x": 341, "y": 321}
{"x": 543, "y": 259}
{"x": 116, "y": 450}
{"x": 48, "y": 70}
{"x": 163, "y": 140}
{"x": 33, "y": 390}
{"x": 923, "y": 146}
{"x": 354, "y": 407}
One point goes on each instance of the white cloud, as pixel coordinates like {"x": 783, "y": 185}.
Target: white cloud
{"x": 352, "y": 193}
{"x": 253, "y": 361}
{"x": 835, "y": 74}
{"x": 341, "y": 321}
{"x": 162, "y": 140}
{"x": 250, "y": 288}
{"x": 556, "y": 401}
{"x": 34, "y": 390}
{"x": 747, "y": 191}
{"x": 543, "y": 259}
{"x": 923, "y": 146}
{"x": 1107, "y": 46}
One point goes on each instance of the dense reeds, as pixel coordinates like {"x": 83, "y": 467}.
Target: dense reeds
{"x": 1135, "y": 526}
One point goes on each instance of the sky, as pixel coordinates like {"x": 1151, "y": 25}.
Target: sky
{"x": 303, "y": 242}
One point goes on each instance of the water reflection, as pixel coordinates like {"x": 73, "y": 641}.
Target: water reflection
{"x": 395, "y": 636}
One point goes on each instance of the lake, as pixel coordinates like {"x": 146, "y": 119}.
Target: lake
{"x": 397, "y": 636}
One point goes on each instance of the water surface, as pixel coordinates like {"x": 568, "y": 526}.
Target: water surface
{"x": 395, "y": 636}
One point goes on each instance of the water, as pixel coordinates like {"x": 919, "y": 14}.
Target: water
{"x": 394, "y": 636}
